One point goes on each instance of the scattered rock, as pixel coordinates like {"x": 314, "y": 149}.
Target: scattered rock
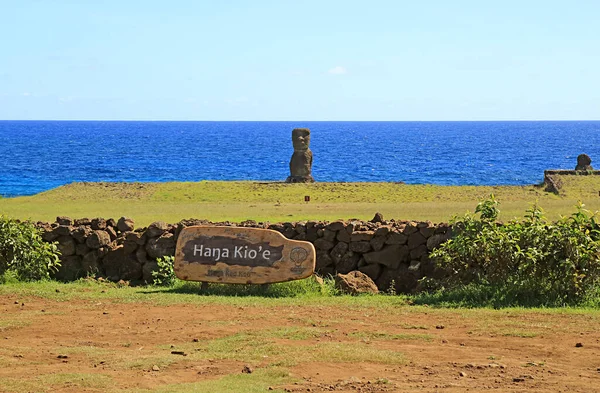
{"x": 439, "y": 326}
{"x": 155, "y": 368}
{"x": 462, "y": 374}
{"x": 62, "y": 357}
{"x": 247, "y": 369}
{"x": 522, "y": 378}
{"x": 178, "y": 353}
{"x": 578, "y": 345}
{"x": 355, "y": 283}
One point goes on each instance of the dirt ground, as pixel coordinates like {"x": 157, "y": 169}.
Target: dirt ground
{"x": 92, "y": 346}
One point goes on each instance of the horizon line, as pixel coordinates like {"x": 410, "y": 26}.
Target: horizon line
{"x": 312, "y": 121}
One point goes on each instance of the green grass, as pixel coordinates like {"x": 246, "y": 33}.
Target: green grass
{"x": 296, "y": 333}
{"x": 255, "y": 346}
{"x": 238, "y": 201}
{"x": 7, "y": 324}
{"x": 392, "y": 336}
{"x": 300, "y": 292}
{"x": 488, "y": 296}
{"x": 257, "y": 382}
{"x": 52, "y": 382}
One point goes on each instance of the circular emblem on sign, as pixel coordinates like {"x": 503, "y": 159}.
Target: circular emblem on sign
{"x": 298, "y": 255}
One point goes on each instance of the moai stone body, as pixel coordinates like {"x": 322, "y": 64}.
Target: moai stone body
{"x": 301, "y": 162}
{"x": 584, "y": 163}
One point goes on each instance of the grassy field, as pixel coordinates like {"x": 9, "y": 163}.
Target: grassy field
{"x": 238, "y": 201}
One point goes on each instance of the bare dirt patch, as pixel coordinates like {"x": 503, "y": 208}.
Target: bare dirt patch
{"x": 100, "y": 346}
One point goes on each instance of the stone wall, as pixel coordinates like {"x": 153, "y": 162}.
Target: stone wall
{"x": 552, "y": 180}
{"x": 392, "y": 253}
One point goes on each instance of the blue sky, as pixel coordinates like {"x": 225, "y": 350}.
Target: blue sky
{"x": 300, "y": 60}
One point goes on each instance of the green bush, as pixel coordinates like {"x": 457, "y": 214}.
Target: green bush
{"x": 23, "y": 253}
{"x": 165, "y": 275}
{"x": 531, "y": 261}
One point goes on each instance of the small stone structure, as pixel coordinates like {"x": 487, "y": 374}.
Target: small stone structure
{"x": 583, "y": 168}
{"x": 301, "y": 162}
{"x": 584, "y": 163}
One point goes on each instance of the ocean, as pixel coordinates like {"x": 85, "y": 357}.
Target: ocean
{"x": 40, "y": 155}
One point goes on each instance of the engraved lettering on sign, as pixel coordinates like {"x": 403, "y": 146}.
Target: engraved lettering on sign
{"x": 236, "y": 255}
{"x": 208, "y": 250}
{"x": 228, "y": 273}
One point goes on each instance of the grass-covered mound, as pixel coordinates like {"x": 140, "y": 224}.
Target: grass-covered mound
{"x": 239, "y": 201}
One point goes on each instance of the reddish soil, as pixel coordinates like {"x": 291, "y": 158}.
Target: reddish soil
{"x": 459, "y": 350}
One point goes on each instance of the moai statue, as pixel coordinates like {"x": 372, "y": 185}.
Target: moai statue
{"x": 301, "y": 162}
{"x": 584, "y": 163}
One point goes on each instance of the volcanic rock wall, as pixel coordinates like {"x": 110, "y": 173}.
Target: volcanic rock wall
{"x": 393, "y": 253}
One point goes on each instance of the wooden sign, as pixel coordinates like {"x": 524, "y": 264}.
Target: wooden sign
{"x": 235, "y": 255}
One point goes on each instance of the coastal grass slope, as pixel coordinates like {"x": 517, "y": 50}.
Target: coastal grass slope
{"x": 239, "y": 201}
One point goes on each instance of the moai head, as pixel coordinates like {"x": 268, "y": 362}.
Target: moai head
{"x": 583, "y": 161}
{"x": 301, "y": 139}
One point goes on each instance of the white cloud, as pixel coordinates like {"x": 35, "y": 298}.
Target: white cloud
{"x": 338, "y": 70}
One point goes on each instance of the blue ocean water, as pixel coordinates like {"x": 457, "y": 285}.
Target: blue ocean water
{"x": 39, "y": 155}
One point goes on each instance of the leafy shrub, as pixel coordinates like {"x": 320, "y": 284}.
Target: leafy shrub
{"x": 532, "y": 260}
{"x": 165, "y": 275}
{"x": 23, "y": 253}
